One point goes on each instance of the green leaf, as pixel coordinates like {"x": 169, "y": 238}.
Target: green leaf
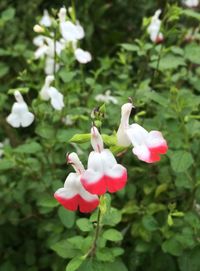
{"x": 6, "y": 164}
{"x": 112, "y": 235}
{"x": 4, "y": 69}
{"x": 46, "y": 131}
{"x": 192, "y": 53}
{"x": 117, "y": 149}
{"x": 191, "y": 13}
{"x": 8, "y": 14}
{"x": 80, "y": 138}
{"x": 169, "y": 62}
{"x": 84, "y": 224}
{"x": 74, "y": 264}
{"x": 189, "y": 260}
{"x": 181, "y": 160}
{"x": 64, "y": 249}
{"x": 172, "y": 246}
{"x": 112, "y": 217}
{"x": 150, "y": 223}
{"x": 29, "y": 148}
{"x": 130, "y": 47}
{"x": 66, "y": 217}
{"x": 47, "y": 201}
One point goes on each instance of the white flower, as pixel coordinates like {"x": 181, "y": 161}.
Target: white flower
{"x": 106, "y": 98}
{"x": 154, "y": 28}
{"x": 45, "y": 20}
{"x": 51, "y": 93}
{"x": 82, "y": 56}
{"x": 20, "y": 115}
{"x": 191, "y": 3}
{"x": 70, "y": 32}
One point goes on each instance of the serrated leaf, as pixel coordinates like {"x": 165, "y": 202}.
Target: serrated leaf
{"x": 29, "y": 148}
{"x": 84, "y": 224}
{"x": 112, "y": 235}
{"x": 181, "y": 160}
{"x": 64, "y": 249}
{"x": 149, "y": 223}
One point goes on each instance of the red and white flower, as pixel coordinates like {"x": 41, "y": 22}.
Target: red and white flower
{"x": 154, "y": 28}
{"x": 73, "y": 195}
{"x": 147, "y": 146}
{"x": 103, "y": 172}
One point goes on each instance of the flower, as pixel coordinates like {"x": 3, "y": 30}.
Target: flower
{"x": 45, "y": 20}
{"x": 70, "y": 32}
{"x": 51, "y": 93}
{"x": 20, "y": 115}
{"x": 73, "y": 195}
{"x": 103, "y": 172}
{"x": 154, "y": 28}
{"x": 106, "y": 98}
{"x": 147, "y": 146}
{"x": 191, "y": 3}
{"x": 82, "y": 56}
{"x": 49, "y": 66}
{"x": 38, "y": 28}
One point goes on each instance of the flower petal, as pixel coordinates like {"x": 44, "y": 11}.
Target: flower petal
{"x": 27, "y": 119}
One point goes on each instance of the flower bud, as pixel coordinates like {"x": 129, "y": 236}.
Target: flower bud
{"x": 38, "y": 29}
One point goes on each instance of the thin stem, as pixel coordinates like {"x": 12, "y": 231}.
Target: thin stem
{"x": 54, "y": 47}
{"x": 157, "y": 65}
{"x": 92, "y": 250}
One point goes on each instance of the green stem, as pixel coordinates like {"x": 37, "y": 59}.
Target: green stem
{"x": 92, "y": 250}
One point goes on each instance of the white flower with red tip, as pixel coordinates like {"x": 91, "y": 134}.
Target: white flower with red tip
{"x": 82, "y": 56}
{"x": 70, "y": 32}
{"x": 73, "y": 195}
{"x": 103, "y": 173}
{"x": 147, "y": 146}
{"x": 51, "y": 93}
{"x": 20, "y": 115}
{"x": 46, "y": 19}
{"x": 154, "y": 28}
{"x": 191, "y": 3}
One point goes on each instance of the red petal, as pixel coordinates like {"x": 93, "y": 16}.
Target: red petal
{"x": 98, "y": 188}
{"x": 87, "y": 206}
{"x": 115, "y": 184}
{"x": 70, "y": 204}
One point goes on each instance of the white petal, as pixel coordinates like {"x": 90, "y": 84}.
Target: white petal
{"x": 45, "y": 20}
{"x": 82, "y": 56}
{"x": 155, "y": 139}
{"x": 142, "y": 152}
{"x": 13, "y": 120}
{"x": 39, "y": 40}
{"x": 56, "y": 98}
{"x": 27, "y": 119}
{"x": 137, "y": 134}
{"x": 41, "y": 51}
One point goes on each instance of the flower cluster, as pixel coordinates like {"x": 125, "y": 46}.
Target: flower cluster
{"x": 103, "y": 173}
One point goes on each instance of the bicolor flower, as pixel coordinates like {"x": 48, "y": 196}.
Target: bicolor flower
{"x": 154, "y": 28}
{"x": 73, "y": 195}
{"x": 103, "y": 172}
{"x": 191, "y": 3}
{"x": 46, "y": 19}
{"x": 106, "y": 98}
{"x": 147, "y": 146}
{"x": 20, "y": 115}
{"x": 82, "y": 56}
{"x": 51, "y": 93}
{"x": 70, "y": 32}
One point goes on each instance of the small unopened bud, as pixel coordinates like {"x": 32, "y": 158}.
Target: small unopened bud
{"x": 38, "y": 28}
